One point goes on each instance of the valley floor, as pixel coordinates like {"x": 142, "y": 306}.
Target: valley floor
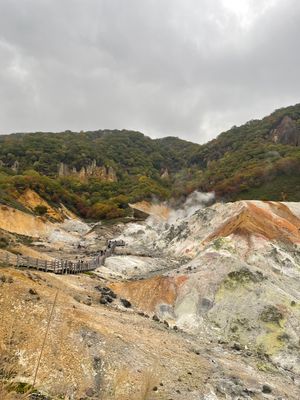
{"x": 203, "y": 307}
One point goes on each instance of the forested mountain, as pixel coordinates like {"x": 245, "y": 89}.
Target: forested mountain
{"x": 97, "y": 173}
{"x": 258, "y": 160}
{"x": 93, "y": 173}
{"x": 126, "y": 151}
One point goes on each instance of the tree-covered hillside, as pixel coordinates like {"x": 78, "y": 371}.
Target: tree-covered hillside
{"x": 97, "y": 174}
{"x": 126, "y": 151}
{"x": 258, "y": 160}
{"x": 94, "y": 173}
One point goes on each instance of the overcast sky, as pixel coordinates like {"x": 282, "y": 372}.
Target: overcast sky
{"x": 187, "y": 68}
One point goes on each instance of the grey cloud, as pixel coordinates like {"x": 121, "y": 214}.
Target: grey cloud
{"x": 188, "y": 68}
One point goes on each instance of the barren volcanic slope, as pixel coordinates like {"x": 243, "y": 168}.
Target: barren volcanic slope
{"x": 204, "y": 307}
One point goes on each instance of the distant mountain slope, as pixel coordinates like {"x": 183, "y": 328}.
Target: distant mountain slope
{"x": 94, "y": 173}
{"x": 127, "y": 151}
{"x": 97, "y": 173}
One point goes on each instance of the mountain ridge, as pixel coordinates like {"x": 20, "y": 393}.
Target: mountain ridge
{"x": 104, "y": 170}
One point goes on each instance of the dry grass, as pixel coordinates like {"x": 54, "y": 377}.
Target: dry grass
{"x": 6, "y": 373}
{"x": 7, "y": 393}
{"x": 14, "y": 391}
{"x": 10, "y": 390}
{"x": 10, "y": 387}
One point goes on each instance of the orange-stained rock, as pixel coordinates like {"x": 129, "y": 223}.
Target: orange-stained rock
{"x": 30, "y": 199}
{"x": 146, "y": 294}
{"x": 277, "y": 223}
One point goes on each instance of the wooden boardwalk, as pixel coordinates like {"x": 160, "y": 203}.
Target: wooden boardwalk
{"x": 58, "y": 266}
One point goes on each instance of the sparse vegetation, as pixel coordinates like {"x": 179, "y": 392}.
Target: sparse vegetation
{"x": 265, "y": 367}
{"x": 271, "y": 314}
{"x": 4, "y": 242}
{"x": 242, "y": 277}
{"x": 283, "y": 337}
{"x": 40, "y": 210}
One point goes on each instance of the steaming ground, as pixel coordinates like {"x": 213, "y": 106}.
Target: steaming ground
{"x": 162, "y": 221}
{"x": 194, "y": 202}
{"x": 231, "y": 271}
{"x": 202, "y": 303}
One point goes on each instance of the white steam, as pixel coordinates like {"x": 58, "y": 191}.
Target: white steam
{"x": 194, "y": 202}
{"x": 153, "y": 232}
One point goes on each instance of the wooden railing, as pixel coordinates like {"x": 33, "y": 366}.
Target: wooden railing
{"x": 57, "y": 266}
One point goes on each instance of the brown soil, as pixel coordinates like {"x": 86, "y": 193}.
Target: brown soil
{"x": 146, "y": 294}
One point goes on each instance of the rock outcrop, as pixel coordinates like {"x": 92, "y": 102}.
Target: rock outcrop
{"x": 287, "y": 132}
{"x": 30, "y": 199}
{"x": 14, "y": 166}
{"x": 161, "y": 211}
{"x": 239, "y": 274}
{"x": 165, "y": 174}
{"x": 104, "y": 173}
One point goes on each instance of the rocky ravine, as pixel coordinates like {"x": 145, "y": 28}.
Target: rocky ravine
{"x": 206, "y": 307}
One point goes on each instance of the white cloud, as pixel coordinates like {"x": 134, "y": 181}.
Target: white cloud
{"x": 187, "y": 68}
{"x": 247, "y": 11}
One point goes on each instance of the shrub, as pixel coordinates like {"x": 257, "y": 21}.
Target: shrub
{"x": 3, "y": 242}
{"x": 40, "y": 210}
{"x": 271, "y": 314}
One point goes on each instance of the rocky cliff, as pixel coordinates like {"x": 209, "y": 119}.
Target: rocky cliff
{"x": 287, "y": 132}
{"x": 104, "y": 173}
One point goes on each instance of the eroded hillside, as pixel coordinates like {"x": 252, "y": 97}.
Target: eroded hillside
{"x": 205, "y": 306}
